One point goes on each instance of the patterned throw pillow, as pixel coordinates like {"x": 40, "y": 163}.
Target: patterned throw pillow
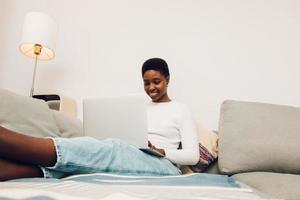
{"x": 206, "y": 158}
{"x": 208, "y": 148}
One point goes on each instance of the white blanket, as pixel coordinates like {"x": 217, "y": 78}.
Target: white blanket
{"x": 136, "y": 188}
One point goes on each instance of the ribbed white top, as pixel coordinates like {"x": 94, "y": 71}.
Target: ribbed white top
{"x": 170, "y": 123}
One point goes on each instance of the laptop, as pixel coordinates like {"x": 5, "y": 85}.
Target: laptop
{"x": 123, "y": 117}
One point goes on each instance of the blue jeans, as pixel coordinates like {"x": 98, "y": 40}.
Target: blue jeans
{"x": 84, "y": 155}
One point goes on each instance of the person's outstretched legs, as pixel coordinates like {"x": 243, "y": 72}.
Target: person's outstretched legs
{"x": 26, "y": 149}
{"x": 12, "y": 170}
{"x": 80, "y": 155}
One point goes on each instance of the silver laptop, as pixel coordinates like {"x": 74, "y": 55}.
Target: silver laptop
{"x": 123, "y": 117}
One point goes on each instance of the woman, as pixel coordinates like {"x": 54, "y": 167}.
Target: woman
{"x": 170, "y": 127}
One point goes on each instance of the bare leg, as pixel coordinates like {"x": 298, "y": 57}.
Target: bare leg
{"x": 12, "y": 170}
{"x": 26, "y": 149}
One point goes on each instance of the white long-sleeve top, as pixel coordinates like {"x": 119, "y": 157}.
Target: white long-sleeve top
{"x": 170, "y": 123}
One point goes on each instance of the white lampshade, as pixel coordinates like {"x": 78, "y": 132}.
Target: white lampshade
{"x": 39, "y": 28}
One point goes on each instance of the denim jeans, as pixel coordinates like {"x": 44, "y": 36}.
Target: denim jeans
{"x": 85, "y": 155}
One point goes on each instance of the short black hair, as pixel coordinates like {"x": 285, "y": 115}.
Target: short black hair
{"x": 157, "y": 64}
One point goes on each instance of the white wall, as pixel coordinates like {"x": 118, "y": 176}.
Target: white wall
{"x": 216, "y": 50}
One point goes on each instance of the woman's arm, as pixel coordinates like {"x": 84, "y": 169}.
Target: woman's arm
{"x": 161, "y": 151}
{"x": 189, "y": 154}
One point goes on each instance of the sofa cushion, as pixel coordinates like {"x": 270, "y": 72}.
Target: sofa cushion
{"x": 26, "y": 115}
{"x": 275, "y": 185}
{"x": 259, "y": 137}
{"x": 213, "y": 168}
{"x": 67, "y": 126}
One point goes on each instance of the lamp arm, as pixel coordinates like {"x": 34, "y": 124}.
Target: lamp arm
{"x": 37, "y": 52}
{"x": 33, "y": 78}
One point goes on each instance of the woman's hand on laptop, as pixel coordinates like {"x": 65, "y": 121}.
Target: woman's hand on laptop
{"x": 151, "y": 146}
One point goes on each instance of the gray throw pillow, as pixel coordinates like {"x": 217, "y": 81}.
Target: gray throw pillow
{"x": 26, "y": 115}
{"x": 68, "y": 126}
{"x": 259, "y": 137}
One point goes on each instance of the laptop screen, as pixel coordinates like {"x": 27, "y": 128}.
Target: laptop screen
{"x": 123, "y": 117}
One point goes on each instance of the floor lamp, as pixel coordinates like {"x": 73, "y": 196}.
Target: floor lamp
{"x": 38, "y": 39}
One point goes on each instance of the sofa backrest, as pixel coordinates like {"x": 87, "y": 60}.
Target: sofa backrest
{"x": 259, "y": 137}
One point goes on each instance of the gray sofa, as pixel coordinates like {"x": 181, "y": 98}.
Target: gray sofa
{"x": 259, "y": 146}
{"x": 258, "y": 143}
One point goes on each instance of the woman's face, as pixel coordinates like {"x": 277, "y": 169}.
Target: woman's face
{"x": 155, "y": 85}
